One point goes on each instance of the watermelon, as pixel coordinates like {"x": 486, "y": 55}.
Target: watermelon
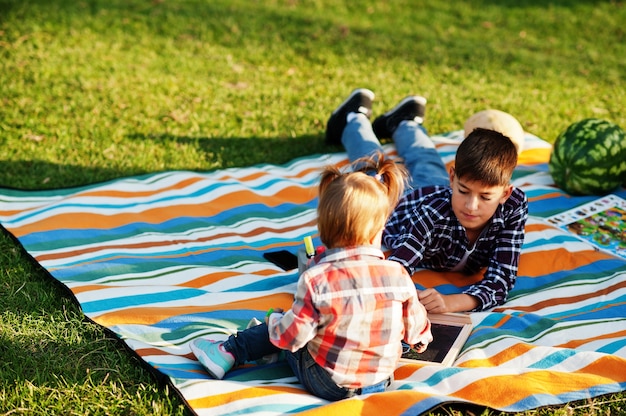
{"x": 589, "y": 158}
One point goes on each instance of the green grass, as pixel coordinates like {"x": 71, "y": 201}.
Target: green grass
{"x": 94, "y": 90}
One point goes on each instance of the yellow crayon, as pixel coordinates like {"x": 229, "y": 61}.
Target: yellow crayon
{"x": 308, "y": 247}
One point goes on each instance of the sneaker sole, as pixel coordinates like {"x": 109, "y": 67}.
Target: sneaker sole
{"x": 380, "y": 124}
{"x": 417, "y": 98}
{"x": 369, "y": 93}
{"x": 333, "y": 135}
{"x": 211, "y": 368}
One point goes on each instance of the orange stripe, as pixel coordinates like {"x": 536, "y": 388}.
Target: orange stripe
{"x": 246, "y": 393}
{"x": 11, "y": 212}
{"x": 144, "y": 352}
{"x": 211, "y": 278}
{"x": 495, "y": 391}
{"x": 527, "y": 157}
{"x": 295, "y": 195}
{"x": 534, "y": 156}
{"x": 196, "y": 283}
{"x": 536, "y": 227}
{"x": 573, "y": 344}
{"x": 545, "y": 196}
{"x": 431, "y": 278}
{"x": 388, "y": 403}
{"x": 504, "y": 356}
{"x": 503, "y": 391}
{"x": 116, "y": 194}
{"x": 259, "y": 174}
{"x": 135, "y": 193}
{"x": 544, "y": 262}
{"x": 154, "y": 244}
{"x": 563, "y": 301}
{"x": 129, "y": 256}
{"x": 155, "y": 314}
{"x": 406, "y": 370}
{"x": 502, "y": 321}
{"x": 608, "y": 366}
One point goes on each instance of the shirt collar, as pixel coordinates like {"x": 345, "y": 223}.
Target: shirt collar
{"x": 348, "y": 253}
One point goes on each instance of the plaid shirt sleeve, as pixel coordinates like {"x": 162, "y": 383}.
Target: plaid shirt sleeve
{"x": 416, "y": 322}
{"x": 299, "y": 324}
{"x": 423, "y": 233}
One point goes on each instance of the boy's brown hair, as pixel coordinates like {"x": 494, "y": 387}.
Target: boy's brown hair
{"x": 353, "y": 207}
{"x": 486, "y": 156}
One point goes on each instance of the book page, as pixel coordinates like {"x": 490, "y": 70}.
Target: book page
{"x": 601, "y": 223}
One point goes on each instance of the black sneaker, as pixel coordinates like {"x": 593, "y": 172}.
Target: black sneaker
{"x": 359, "y": 101}
{"x": 411, "y": 108}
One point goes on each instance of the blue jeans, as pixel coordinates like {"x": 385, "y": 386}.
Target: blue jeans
{"x": 251, "y": 344}
{"x": 254, "y": 343}
{"x": 418, "y": 151}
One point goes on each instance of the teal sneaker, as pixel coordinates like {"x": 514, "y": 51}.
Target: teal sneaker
{"x": 213, "y": 357}
{"x": 253, "y": 322}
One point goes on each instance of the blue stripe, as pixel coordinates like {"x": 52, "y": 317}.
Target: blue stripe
{"x": 149, "y": 201}
{"x": 134, "y": 300}
{"x": 553, "y": 359}
{"x": 613, "y": 347}
{"x": 50, "y": 240}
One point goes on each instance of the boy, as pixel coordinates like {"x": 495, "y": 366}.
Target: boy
{"x": 464, "y": 219}
{"x": 352, "y": 308}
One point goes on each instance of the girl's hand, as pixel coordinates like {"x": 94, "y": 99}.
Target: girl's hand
{"x": 270, "y": 312}
{"x": 420, "y": 348}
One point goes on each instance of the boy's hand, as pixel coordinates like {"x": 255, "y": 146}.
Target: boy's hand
{"x": 435, "y": 302}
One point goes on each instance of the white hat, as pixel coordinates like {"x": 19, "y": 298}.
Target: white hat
{"x": 499, "y": 121}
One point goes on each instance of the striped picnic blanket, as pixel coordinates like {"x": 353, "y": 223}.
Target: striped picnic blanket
{"x": 164, "y": 258}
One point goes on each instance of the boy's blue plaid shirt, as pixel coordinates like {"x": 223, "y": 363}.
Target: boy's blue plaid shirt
{"x": 423, "y": 232}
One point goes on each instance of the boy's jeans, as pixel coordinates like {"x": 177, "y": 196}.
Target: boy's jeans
{"x": 412, "y": 143}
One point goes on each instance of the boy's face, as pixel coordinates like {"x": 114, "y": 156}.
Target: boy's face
{"x": 474, "y": 203}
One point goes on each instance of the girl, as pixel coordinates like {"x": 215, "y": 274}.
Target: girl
{"x": 352, "y": 308}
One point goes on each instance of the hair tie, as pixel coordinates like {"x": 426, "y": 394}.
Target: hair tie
{"x": 378, "y": 177}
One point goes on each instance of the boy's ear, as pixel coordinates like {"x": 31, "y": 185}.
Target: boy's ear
{"x": 508, "y": 190}
{"x": 451, "y": 173}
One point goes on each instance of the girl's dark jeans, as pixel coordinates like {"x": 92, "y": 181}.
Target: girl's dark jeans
{"x": 254, "y": 343}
